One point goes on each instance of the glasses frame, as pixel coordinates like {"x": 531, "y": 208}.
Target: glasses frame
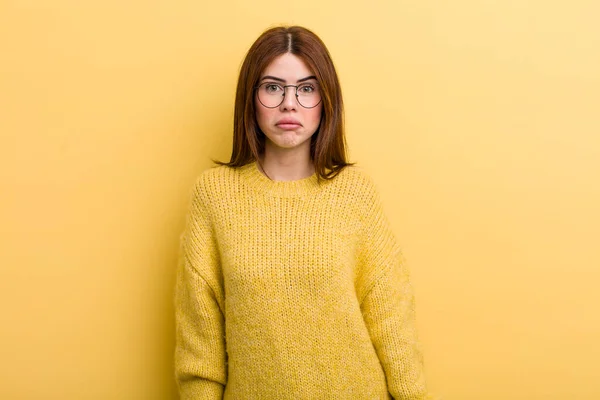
{"x": 284, "y": 93}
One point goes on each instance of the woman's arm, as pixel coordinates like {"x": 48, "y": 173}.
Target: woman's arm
{"x": 200, "y": 358}
{"x": 387, "y": 304}
{"x": 389, "y": 312}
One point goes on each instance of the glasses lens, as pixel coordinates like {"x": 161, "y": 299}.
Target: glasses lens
{"x": 308, "y": 95}
{"x": 270, "y": 94}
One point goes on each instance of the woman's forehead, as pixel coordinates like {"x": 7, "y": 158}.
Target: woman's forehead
{"x": 288, "y": 67}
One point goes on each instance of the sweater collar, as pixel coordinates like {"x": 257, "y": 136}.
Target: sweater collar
{"x": 298, "y": 188}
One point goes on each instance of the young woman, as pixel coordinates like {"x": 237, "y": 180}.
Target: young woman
{"x": 291, "y": 284}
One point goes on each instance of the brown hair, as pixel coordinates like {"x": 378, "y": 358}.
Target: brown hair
{"x": 328, "y": 143}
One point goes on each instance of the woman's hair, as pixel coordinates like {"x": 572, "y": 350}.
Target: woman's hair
{"x": 328, "y": 143}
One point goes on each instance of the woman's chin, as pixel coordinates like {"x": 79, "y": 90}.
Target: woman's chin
{"x": 288, "y": 140}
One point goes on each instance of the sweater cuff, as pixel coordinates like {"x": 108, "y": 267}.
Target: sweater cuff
{"x": 200, "y": 389}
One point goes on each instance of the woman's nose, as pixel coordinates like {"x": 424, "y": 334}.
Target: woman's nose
{"x": 289, "y": 98}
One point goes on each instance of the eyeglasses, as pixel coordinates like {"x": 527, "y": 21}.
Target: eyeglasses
{"x": 271, "y": 94}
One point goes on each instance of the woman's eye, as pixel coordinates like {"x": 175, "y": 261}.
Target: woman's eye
{"x": 272, "y": 88}
{"x": 306, "y": 89}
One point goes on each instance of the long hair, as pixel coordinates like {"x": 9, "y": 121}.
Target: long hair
{"x": 328, "y": 143}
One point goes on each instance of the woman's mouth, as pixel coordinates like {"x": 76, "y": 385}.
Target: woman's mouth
{"x": 288, "y": 123}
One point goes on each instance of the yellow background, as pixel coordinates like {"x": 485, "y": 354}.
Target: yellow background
{"x": 479, "y": 120}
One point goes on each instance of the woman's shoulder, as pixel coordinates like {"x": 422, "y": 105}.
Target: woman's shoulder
{"x": 356, "y": 178}
{"x": 215, "y": 173}
{"x": 214, "y": 180}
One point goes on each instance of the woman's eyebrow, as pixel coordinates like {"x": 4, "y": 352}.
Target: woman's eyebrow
{"x": 283, "y": 80}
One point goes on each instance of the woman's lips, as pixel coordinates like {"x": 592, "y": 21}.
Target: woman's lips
{"x": 288, "y": 125}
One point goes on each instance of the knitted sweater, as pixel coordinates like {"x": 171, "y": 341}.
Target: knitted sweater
{"x": 293, "y": 290}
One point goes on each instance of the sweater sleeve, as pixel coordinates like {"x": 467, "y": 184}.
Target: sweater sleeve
{"x": 200, "y": 358}
{"x": 388, "y": 304}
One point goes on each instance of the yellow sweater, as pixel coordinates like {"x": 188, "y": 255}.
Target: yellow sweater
{"x": 293, "y": 290}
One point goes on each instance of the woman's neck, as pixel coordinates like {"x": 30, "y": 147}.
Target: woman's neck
{"x": 286, "y": 164}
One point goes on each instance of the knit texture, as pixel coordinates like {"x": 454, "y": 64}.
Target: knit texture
{"x": 293, "y": 290}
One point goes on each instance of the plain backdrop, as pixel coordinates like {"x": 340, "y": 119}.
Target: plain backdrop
{"x": 478, "y": 120}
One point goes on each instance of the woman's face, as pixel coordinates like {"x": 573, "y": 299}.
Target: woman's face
{"x": 289, "y": 125}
